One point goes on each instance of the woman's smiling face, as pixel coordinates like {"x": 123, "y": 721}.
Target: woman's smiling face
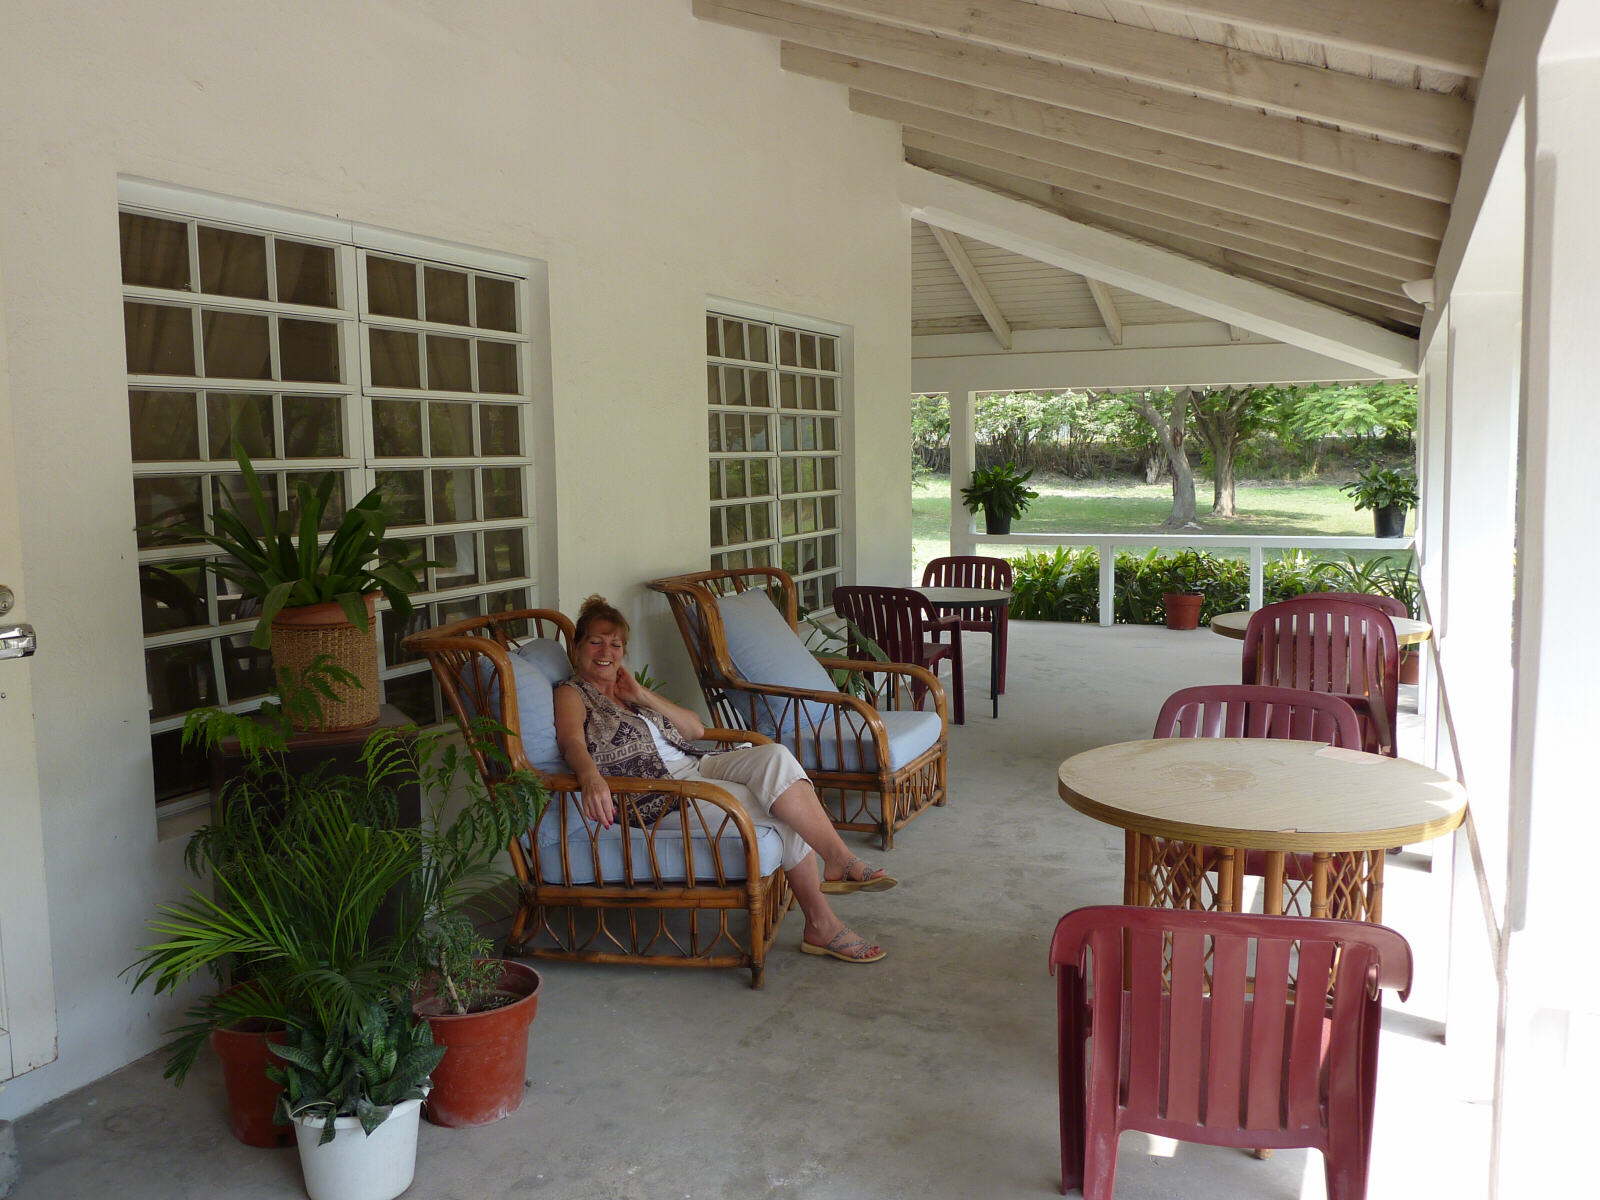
{"x": 599, "y": 656}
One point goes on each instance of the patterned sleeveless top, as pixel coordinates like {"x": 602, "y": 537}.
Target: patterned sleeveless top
{"x": 620, "y": 744}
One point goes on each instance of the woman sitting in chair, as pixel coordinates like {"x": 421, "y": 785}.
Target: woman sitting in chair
{"x": 607, "y": 724}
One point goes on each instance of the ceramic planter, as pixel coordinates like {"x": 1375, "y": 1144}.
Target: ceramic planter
{"x": 1183, "y": 609}
{"x": 480, "y": 1078}
{"x": 357, "y": 1165}
{"x": 252, "y": 1097}
{"x": 1389, "y": 521}
{"x": 300, "y": 635}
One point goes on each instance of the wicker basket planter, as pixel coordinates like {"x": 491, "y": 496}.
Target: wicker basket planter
{"x": 300, "y": 635}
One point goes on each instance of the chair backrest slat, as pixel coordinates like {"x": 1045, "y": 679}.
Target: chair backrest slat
{"x": 1184, "y": 1029}
{"x": 1146, "y": 949}
{"x": 1304, "y": 1075}
{"x": 1264, "y": 1095}
{"x": 1225, "y": 1034}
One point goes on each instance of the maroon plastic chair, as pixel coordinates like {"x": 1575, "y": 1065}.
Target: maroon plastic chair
{"x": 1164, "y": 1029}
{"x": 905, "y": 627}
{"x": 1334, "y": 646}
{"x": 1387, "y": 605}
{"x": 974, "y": 571}
{"x": 1255, "y": 711}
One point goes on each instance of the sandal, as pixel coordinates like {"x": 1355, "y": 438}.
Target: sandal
{"x": 847, "y": 946}
{"x": 870, "y": 880}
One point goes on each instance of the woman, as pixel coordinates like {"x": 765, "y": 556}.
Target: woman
{"x": 607, "y": 724}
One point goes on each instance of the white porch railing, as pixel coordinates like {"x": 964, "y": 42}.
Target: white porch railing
{"x": 1107, "y": 543}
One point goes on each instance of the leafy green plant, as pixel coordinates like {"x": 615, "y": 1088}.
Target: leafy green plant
{"x": 1385, "y": 575}
{"x": 825, "y": 641}
{"x": 458, "y": 966}
{"x": 1000, "y": 490}
{"x": 288, "y": 566}
{"x": 361, "y": 1067}
{"x": 1383, "y": 487}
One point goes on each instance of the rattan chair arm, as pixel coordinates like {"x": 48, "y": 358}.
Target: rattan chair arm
{"x": 914, "y": 674}
{"x": 735, "y": 737}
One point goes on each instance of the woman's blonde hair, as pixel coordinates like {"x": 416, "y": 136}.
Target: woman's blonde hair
{"x": 596, "y": 610}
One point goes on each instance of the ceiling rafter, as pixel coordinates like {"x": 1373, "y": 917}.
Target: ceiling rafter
{"x": 1409, "y": 214}
{"x": 1434, "y": 119}
{"x": 1444, "y": 35}
{"x": 1217, "y": 164}
{"x": 973, "y": 282}
{"x": 1162, "y": 275}
{"x": 1353, "y": 156}
{"x": 1287, "y": 217}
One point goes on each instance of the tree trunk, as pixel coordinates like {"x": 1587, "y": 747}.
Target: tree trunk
{"x": 1171, "y": 433}
{"x": 1217, "y": 419}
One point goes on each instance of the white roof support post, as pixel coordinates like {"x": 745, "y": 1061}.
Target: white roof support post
{"x": 973, "y": 282}
{"x": 1160, "y": 274}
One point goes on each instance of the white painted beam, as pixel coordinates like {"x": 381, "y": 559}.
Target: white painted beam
{"x": 1445, "y": 35}
{"x": 1352, "y": 155}
{"x": 973, "y": 282}
{"x": 1108, "y": 309}
{"x": 1434, "y": 119}
{"x": 1160, "y": 274}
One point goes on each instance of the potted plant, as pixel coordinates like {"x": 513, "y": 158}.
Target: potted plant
{"x": 320, "y": 896}
{"x": 1185, "y": 574}
{"x": 1389, "y": 493}
{"x": 1001, "y": 492}
{"x": 313, "y": 598}
{"x": 354, "y": 1091}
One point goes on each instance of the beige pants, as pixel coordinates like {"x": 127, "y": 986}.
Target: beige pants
{"x": 755, "y": 776}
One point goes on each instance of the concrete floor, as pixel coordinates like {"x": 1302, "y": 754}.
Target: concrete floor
{"x": 929, "y": 1074}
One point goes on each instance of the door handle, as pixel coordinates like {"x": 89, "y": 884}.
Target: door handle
{"x": 17, "y": 641}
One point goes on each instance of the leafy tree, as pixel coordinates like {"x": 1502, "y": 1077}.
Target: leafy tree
{"x": 1364, "y": 410}
{"x": 1225, "y": 416}
{"x": 1172, "y": 432}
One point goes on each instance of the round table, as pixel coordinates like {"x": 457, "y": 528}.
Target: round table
{"x": 1406, "y": 631}
{"x": 1190, "y": 806}
{"x": 993, "y": 600}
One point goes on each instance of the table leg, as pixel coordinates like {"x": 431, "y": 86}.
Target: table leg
{"x": 1320, "y": 866}
{"x": 1272, "y": 886}
{"x": 1375, "y": 860}
{"x": 1227, "y": 879}
{"x": 995, "y": 613}
{"x": 1130, "y": 867}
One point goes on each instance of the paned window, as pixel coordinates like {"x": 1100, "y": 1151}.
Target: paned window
{"x": 315, "y": 353}
{"x": 773, "y": 429}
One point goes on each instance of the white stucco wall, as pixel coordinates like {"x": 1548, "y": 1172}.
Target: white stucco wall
{"x": 650, "y": 160}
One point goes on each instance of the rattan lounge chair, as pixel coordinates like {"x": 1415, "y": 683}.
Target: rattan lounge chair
{"x": 668, "y": 895}
{"x": 878, "y": 758}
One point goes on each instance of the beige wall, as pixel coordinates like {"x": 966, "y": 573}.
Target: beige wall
{"x": 648, "y": 159}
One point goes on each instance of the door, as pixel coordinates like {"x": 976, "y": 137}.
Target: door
{"x": 27, "y": 989}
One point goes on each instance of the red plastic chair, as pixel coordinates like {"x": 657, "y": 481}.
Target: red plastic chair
{"x": 1216, "y": 1055}
{"x": 905, "y": 627}
{"x": 974, "y": 571}
{"x": 1334, "y": 646}
{"x": 1255, "y": 711}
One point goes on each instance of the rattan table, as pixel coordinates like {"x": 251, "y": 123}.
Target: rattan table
{"x": 1406, "y": 631}
{"x": 1192, "y": 808}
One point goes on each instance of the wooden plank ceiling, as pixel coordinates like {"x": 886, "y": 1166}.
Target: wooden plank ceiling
{"x": 1310, "y": 145}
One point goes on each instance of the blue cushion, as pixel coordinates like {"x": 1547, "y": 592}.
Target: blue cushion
{"x": 549, "y": 656}
{"x": 910, "y": 732}
{"x": 764, "y": 649}
{"x": 669, "y": 855}
{"x": 536, "y": 711}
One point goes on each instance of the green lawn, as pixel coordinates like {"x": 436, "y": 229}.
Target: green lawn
{"x": 1115, "y": 506}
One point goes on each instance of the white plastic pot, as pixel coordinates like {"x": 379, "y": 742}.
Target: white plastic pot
{"x": 357, "y": 1165}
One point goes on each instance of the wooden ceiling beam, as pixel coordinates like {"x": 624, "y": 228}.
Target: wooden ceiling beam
{"x": 1353, "y": 156}
{"x": 1109, "y": 315}
{"x": 1237, "y": 193}
{"x": 1069, "y": 127}
{"x": 1434, "y": 119}
{"x": 957, "y": 256}
{"x": 1288, "y": 217}
{"x": 1444, "y": 35}
{"x": 1150, "y": 271}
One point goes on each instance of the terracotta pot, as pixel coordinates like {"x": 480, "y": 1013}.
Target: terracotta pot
{"x": 480, "y": 1078}
{"x": 1183, "y": 609}
{"x": 1410, "y": 666}
{"x": 252, "y": 1097}
{"x": 300, "y": 635}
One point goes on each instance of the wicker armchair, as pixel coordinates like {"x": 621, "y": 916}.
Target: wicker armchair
{"x": 873, "y": 771}
{"x": 667, "y": 894}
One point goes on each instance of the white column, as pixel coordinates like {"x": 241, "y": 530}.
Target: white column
{"x": 961, "y": 457}
{"x": 1549, "y": 1015}
{"x": 1432, "y": 400}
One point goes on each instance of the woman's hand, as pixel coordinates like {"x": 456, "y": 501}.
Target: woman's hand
{"x": 627, "y": 688}
{"x": 598, "y": 804}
